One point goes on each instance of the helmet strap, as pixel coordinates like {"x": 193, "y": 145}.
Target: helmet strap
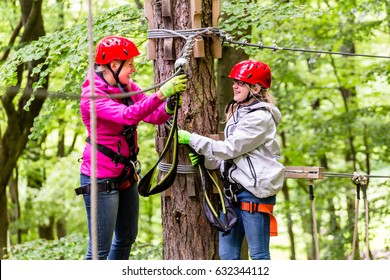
{"x": 116, "y": 75}
{"x": 230, "y": 105}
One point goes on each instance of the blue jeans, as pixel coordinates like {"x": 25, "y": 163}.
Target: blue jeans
{"x": 117, "y": 214}
{"x": 254, "y": 226}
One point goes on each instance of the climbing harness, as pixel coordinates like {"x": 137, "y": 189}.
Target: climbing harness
{"x": 253, "y": 207}
{"x": 231, "y": 190}
{"x": 227, "y": 217}
{"x": 132, "y": 167}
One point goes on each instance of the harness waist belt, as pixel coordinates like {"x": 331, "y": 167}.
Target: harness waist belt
{"x": 106, "y": 186}
{"x": 252, "y": 207}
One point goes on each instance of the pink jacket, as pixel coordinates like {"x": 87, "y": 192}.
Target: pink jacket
{"x": 111, "y": 115}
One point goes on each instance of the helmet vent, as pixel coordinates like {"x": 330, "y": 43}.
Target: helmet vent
{"x": 125, "y": 52}
{"x": 250, "y": 75}
{"x": 103, "y": 55}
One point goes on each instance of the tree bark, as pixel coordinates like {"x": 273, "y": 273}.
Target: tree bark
{"x": 186, "y": 232}
{"x": 19, "y": 121}
{"x": 47, "y": 231}
{"x": 286, "y": 195}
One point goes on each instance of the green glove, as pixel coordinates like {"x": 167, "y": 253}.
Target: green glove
{"x": 194, "y": 159}
{"x": 175, "y": 85}
{"x": 184, "y": 137}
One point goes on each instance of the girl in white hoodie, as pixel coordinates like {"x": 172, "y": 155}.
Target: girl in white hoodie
{"x": 248, "y": 158}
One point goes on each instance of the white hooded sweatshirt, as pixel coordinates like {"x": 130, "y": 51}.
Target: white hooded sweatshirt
{"x": 251, "y": 144}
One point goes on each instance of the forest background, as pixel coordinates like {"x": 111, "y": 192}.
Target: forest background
{"x": 335, "y": 114}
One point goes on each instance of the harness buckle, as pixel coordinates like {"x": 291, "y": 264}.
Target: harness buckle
{"x": 129, "y": 132}
{"x": 228, "y": 192}
{"x": 118, "y": 158}
{"x": 108, "y": 186}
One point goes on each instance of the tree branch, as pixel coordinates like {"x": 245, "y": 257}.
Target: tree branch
{"x": 12, "y": 39}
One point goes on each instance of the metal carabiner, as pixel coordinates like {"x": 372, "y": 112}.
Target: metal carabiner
{"x": 137, "y": 171}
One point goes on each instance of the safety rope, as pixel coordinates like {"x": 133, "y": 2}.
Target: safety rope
{"x": 361, "y": 183}
{"x": 94, "y": 190}
{"x": 364, "y": 190}
{"x": 355, "y": 225}
{"x": 314, "y": 220}
{"x": 144, "y": 186}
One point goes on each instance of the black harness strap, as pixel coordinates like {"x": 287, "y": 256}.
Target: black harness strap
{"x": 144, "y": 186}
{"x": 106, "y": 186}
{"x": 129, "y": 132}
{"x": 117, "y": 157}
{"x": 225, "y": 220}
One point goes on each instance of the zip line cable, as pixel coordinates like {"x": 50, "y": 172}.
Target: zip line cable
{"x": 334, "y": 174}
{"x": 276, "y": 48}
{"x": 227, "y": 38}
{"x": 188, "y": 169}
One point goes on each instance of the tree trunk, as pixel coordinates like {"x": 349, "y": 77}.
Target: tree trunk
{"x": 61, "y": 228}
{"x": 47, "y": 231}
{"x": 186, "y": 232}
{"x": 286, "y": 195}
{"x": 19, "y": 121}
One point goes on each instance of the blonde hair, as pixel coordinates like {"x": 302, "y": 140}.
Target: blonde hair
{"x": 262, "y": 96}
{"x": 100, "y": 68}
{"x": 103, "y": 67}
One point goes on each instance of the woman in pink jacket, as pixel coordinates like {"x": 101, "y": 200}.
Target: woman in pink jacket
{"x": 116, "y": 123}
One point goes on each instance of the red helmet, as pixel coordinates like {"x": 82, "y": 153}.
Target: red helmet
{"x": 252, "y": 72}
{"x": 115, "y": 47}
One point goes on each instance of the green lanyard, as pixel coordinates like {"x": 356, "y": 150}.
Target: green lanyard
{"x": 144, "y": 186}
{"x": 227, "y": 217}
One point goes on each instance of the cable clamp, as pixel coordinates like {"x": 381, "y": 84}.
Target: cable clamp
{"x": 359, "y": 179}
